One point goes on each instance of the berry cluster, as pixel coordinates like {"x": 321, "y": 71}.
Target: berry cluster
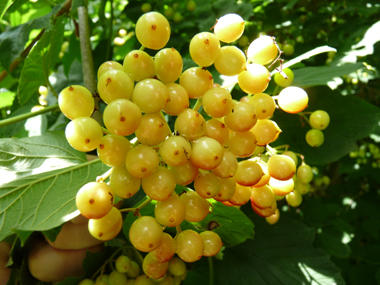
{"x": 319, "y": 120}
{"x": 127, "y": 271}
{"x": 222, "y": 156}
{"x": 368, "y": 153}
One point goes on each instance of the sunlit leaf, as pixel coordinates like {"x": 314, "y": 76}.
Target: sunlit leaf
{"x": 40, "y": 62}
{"x": 6, "y": 99}
{"x": 44, "y": 201}
{"x": 34, "y": 155}
{"x": 12, "y": 41}
{"x": 322, "y": 75}
{"x": 4, "y": 5}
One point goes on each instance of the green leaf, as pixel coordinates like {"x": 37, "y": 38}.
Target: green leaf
{"x": 121, "y": 51}
{"x": 6, "y": 99}
{"x": 40, "y": 62}
{"x": 279, "y": 254}
{"x": 75, "y": 76}
{"x": 17, "y": 6}
{"x": 317, "y": 217}
{"x": 44, "y": 201}
{"x": 198, "y": 272}
{"x": 363, "y": 273}
{"x": 291, "y": 4}
{"x": 29, "y": 156}
{"x": 72, "y": 54}
{"x": 53, "y": 233}
{"x": 372, "y": 226}
{"x": 14, "y": 277}
{"x": 330, "y": 240}
{"x": 8, "y": 82}
{"x": 13, "y": 129}
{"x": 369, "y": 253}
{"x": 13, "y": 41}
{"x": 23, "y": 235}
{"x": 15, "y": 255}
{"x": 229, "y": 223}
{"x": 351, "y": 119}
{"x": 224, "y": 7}
{"x": 369, "y": 210}
{"x": 322, "y": 75}
{"x": 4, "y": 5}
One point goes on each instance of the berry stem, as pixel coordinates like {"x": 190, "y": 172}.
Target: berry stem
{"x": 211, "y": 270}
{"x": 303, "y": 116}
{"x": 137, "y": 209}
{"x": 296, "y": 153}
{"x": 198, "y": 104}
{"x": 125, "y": 210}
{"x": 178, "y": 229}
{"x": 135, "y": 142}
{"x": 167, "y": 125}
{"x": 282, "y": 72}
{"x": 280, "y": 52}
{"x": 104, "y": 176}
{"x": 51, "y": 88}
{"x": 105, "y": 131}
{"x": 144, "y": 203}
{"x": 276, "y": 90}
{"x": 22, "y": 117}
{"x": 271, "y": 150}
{"x": 300, "y": 155}
{"x": 230, "y": 85}
{"x": 286, "y": 146}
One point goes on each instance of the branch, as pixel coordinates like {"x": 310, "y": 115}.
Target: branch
{"x": 109, "y": 44}
{"x": 86, "y": 52}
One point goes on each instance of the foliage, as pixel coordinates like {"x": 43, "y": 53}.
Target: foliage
{"x": 333, "y": 237}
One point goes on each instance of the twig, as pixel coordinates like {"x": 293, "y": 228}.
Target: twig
{"x": 22, "y": 117}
